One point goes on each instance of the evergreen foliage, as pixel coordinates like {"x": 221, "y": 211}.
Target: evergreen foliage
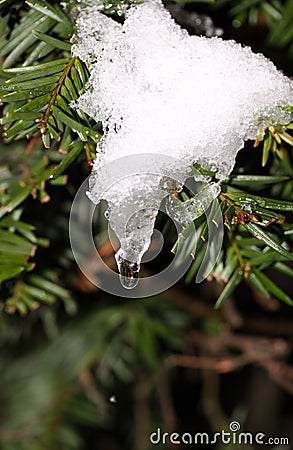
{"x": 39, "y": 79}
{"x": 44, "y": 141}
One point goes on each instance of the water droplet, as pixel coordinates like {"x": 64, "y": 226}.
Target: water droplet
{"x": 113, "y": 399}
{"x": 247, "y": 207}
{"x": 129, "y": 282}
{"x": 129, "y": 273}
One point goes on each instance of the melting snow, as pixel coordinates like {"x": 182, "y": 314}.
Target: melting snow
{"x": 158, "y": 90}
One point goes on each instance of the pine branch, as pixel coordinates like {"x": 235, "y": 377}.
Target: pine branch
{"x": 38, "y": 92}
{"x": 38, "y": 96}
{"x": 276, "y": 14}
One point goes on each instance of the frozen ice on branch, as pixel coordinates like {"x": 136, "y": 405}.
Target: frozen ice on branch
{"x": 158, "y": 90}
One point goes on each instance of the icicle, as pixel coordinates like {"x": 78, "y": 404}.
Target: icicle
{"x": 132, "y": 218}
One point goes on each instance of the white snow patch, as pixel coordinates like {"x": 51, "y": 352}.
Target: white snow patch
{"x": 158, "y": 90}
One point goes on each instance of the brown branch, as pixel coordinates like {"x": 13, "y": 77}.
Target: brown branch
{"x": 165, "y": 400}
{"x": 254, "y": 350}
{"x": 87, "y": 381}
{"x": 281, "y": 373}
{"x": 221, "y": 365}
{"x": 59, "y": 84}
